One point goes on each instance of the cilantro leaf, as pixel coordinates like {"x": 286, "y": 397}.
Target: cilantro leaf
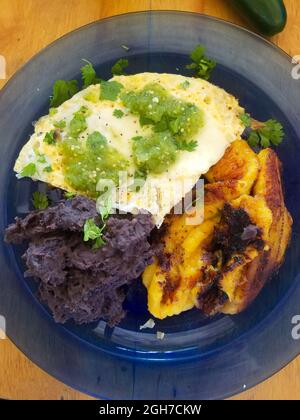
{"x": 28, "y": 170}
{"x": 253, "y": 139}
{"x": 60, "y": 124}
{"x": 52, "y": 112}
{"x": 185, "y": 85}
{"x": 273, "y": 130}
{"x": 50, "y": 137}
{"x": 110, "y": 90}
{"x": 89, "y": 75}
{"x": 202, "y": 65}
{"x": 48, "y": 169}
{"x": 246, "y": 119}
{"x": 62, "y": 91}
{"x": 40, "y": 200}
{"x": 78, "y": 123}
{"x": 188, "y": 146}
{"x": 69, "y": 195}
{"x": 105, "y": 210}
{"x": 96, "y": 141}
{"x": 266, "y": 134}
{"x": 40, "y": 157}
{"x": 93, "y": 232}
{"x": 119, "y": 67}
{"x": 118, "y": 113}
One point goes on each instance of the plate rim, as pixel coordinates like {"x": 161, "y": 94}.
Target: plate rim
{"x": 158, "y": 12}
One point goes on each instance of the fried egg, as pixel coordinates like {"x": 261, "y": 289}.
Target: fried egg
{"x": 221, "y": 127}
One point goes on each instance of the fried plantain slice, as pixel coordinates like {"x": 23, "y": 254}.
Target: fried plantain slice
{"x": 268, "y": 187}
{"x": 192, "y": 270}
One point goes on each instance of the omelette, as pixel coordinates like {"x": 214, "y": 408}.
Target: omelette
{"x": 163, "y": 129}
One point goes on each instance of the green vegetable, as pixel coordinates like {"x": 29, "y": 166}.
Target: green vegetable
{"x": 48, "y": 169}
{"x": 202, "y": 65}
{"x": 78, "y": 124}
{"x": 94, "y": 233}
{"x": 60, "y": 124}
{"x": 40, "y": 200}
{"x": 40, "y": 157}
{"x": 85, "y": 163}
{"x": 185, "y": 85}
{"x": 246, "y": 119}
{"x": 62, "y": 91}
{"x": 187, "y": 146}
{"x": 52, "y": 112}
{"x": 268, "y": 16}
{"x": 28, "y": 170}
{"x": 270, "y": 132}
{"x": 89, "y": 75}
{"x": 110, "y": 90}
{"x": 174, "y": 122}
{"x": 96, "y": 141}
{"x": 118, "y": 113}
{"x": 105, "y": 209}
{"x": 50, "y": 137}
{"x": 263, "y": 134}
{"x": 69, "y": 195}
{"x": 119, "y": 67}
{"x": 158, "y": 108}
{"x": 154, "y": 153}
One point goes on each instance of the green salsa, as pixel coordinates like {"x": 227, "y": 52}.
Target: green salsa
{"x": 154, "y": 153}
{"x": 174, "y": 123}
{"x": 85, "y": 163}
{"x": 89, "y": 159}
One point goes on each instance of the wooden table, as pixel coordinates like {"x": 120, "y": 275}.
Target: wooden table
{"x": 25, "y": 28}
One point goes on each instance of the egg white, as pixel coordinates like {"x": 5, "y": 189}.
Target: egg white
{"x": 222, "y": 126}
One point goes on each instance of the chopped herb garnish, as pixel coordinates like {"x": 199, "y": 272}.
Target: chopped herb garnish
{"x": 185, "y": 85}
{"x": 189, "y": 146}
{"x": 28, "y": 170}
{"x": 202, "y": 65}
{"x": 89, "y": 75}
{"x": 262, "y": 134}
{"x": 96, "y": 141}
{"x": 119, "y": 67}
{"x": 48, "y": 169}
{"x": 145, "y": 121}
{"x": 269, "y": 133}
{"x": 246, "y": 119}
{"x": 40, "y": 158}
{"x": 78, "y": 124}
{"x": 118, "y": 113}
{"x": 60, "y": 124}
{"x": 137, "y": 138}
{"x": 52, "y": 112}
{"x": 69, "y": 195}
{"x": 62, "y": 91}
{"x": 110, "y": 90}
{"x": 40, "y": 200}
{"x": 94, "y": 233}
{"x": 49, "y": 137}
{"x": 105, "y": 210}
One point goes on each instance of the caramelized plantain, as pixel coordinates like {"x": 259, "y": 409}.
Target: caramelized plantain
{"x": 221, "y": 265}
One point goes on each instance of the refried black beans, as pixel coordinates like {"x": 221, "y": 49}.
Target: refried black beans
{"x": 75, "y": 281}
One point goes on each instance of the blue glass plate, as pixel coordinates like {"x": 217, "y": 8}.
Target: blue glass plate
{"x": 199, "y": 358}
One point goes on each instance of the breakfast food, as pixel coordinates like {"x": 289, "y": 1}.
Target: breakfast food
{"x": 123, "y": 154}
{"x": 222, "y": 264}
{"x": 75, "y": 280}
{"x": 167, "y": 128}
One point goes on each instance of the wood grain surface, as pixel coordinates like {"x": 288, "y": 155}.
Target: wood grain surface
{"x": 25, "y": 28}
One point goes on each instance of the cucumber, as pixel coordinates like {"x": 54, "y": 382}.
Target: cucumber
{"x": 267, "y": 16}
